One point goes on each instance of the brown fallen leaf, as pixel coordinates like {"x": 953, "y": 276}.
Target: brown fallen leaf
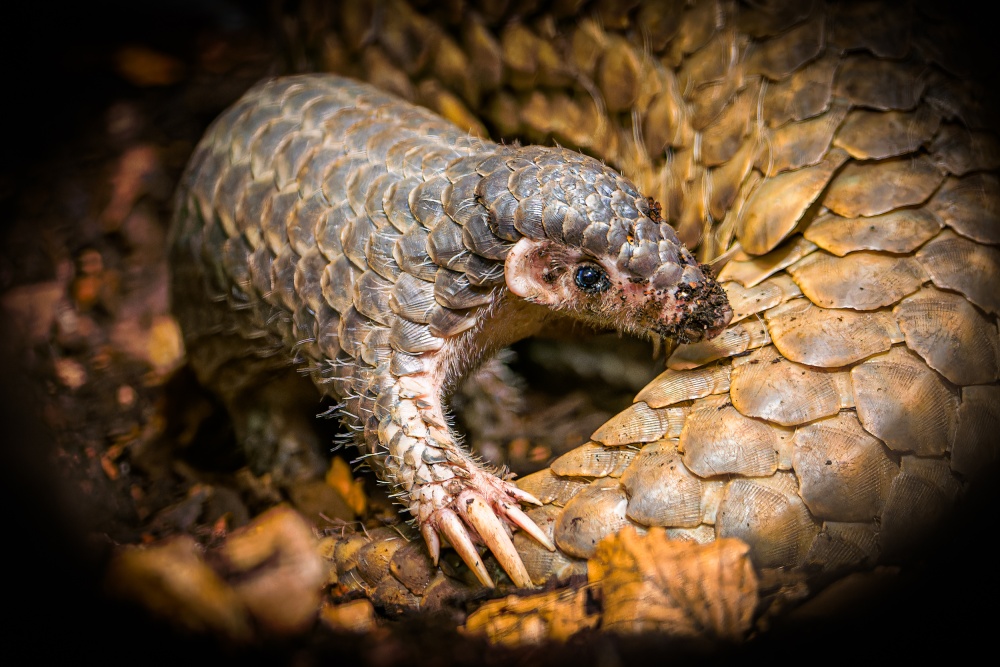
{"x": 173, "y": 582}
{"x": 144, "y": 67}
{"x": 355, "y": 616}
{"x": 650, "y": 583}
{"x": 533, "y": 619}
{"x": 277, "y": 571}
{"x": 352, "y": 490}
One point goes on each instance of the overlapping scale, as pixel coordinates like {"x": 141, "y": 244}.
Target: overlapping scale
{"x": 874, "y": 135}
{"x": 718, "y": 440}
{"x": 542, "y": 564}
{"x": 661, "y": 490}
{"x": 768, "y": 386}
{"x": 937, "y": 471}
{"x": 971, "y": 206}
{"x": 769, "y": 516}
{"x": 447, "y": 322}
{"x": 549, "y": 488}
{"x": 839, "y": 545}
{"x": 452, "y": 289}
{"x": 914, "y": 509}
{"x": 640, "y": 423}
{"x": 957, "y": 263}
{"x": 672, "y": 386}
{"x": 775, "y": 208}
{"x": 725, "y": 137}
{"x": 750, "y": 271}
{"x": 900, "y": 231}
{"x": 747, "y": 301}
{"x": 596, "y": 511}
{"x": 871, "y": 188}
{"x": 747, "y": 335}
{"x": 728, "y": 180}
{"x": 800, "y": 143}
{"x": 872, "y": 26}
{"x": 702, "y": 534}
{"x": 977, "y": 448}
{"x": 862, "y": 280}
{"x": 876, "y": 83}
{"x": 765, "y": 20}
{"x": 412, "y": 298}
{"x": 959, "y": 150}
{"x": 776, "y": 59}
{"x": 594, "y": 460}
{"x": 905, "y": 403}
{"x": 828, "y": 338}
{"x": 952, "y": 336}
{"x": 844, "y": 472}
{"x": 804, "y": 94}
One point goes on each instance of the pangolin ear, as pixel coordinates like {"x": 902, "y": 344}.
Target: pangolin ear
{"x": 524, "y": 268}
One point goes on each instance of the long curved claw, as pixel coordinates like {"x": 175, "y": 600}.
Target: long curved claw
{"x": 458, "y": 535}
{"x": 481, "y": 517}
{"x": 479, "y": 508}
{"x": 432, "y": 540}
{"x": 524, "y": 522}
{"x": 522, "y": 495}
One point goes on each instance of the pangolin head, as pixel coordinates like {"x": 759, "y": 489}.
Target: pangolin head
{"x": 593, "y": 247}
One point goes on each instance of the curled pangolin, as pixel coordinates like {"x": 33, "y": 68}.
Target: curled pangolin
{"x": 327, "y": 225}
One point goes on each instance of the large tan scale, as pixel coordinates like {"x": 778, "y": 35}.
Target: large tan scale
{"x": 843, "y": 151}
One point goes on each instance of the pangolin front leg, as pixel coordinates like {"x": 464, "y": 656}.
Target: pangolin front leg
{"x": 445, "y": 489}
{"x": 449, "y": 493}
{"x": 324, "y": 225}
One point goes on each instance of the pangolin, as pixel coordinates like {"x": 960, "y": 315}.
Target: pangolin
{"x": 328, "y": 226}
{"x": 851, "y": 149}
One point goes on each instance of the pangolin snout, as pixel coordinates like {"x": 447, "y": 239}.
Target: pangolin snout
{"x": 700, "y": 311}
{"x": 708, "y": 311}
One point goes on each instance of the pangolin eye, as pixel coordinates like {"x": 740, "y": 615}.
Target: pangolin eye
{"x": 591, "y": 278}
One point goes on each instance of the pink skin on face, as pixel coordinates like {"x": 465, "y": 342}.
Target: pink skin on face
{"x": 692, "y": 309}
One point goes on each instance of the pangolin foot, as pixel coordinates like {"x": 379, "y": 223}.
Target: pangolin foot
{"x": 479, "y": 508}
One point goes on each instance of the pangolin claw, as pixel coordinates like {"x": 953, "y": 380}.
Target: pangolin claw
{"x": 492, "y": 531}
{"x": 524, "y": 522}
{"x": 458, "y": 535}
{"x": 484, "y": 512}
{"x": 432, "y": 540}
{"x": 522, "y": 495}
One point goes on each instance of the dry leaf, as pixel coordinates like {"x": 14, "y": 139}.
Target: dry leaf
{"x": 172, "y": 581}
{"x": 651, "y": 583}
{"x": 532, "y": 619}
{"x": 352, "y": 490}
{"x": 145, "y": 67}
{"x": 279, "y": 570}
{"x": 354, "y": 616}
